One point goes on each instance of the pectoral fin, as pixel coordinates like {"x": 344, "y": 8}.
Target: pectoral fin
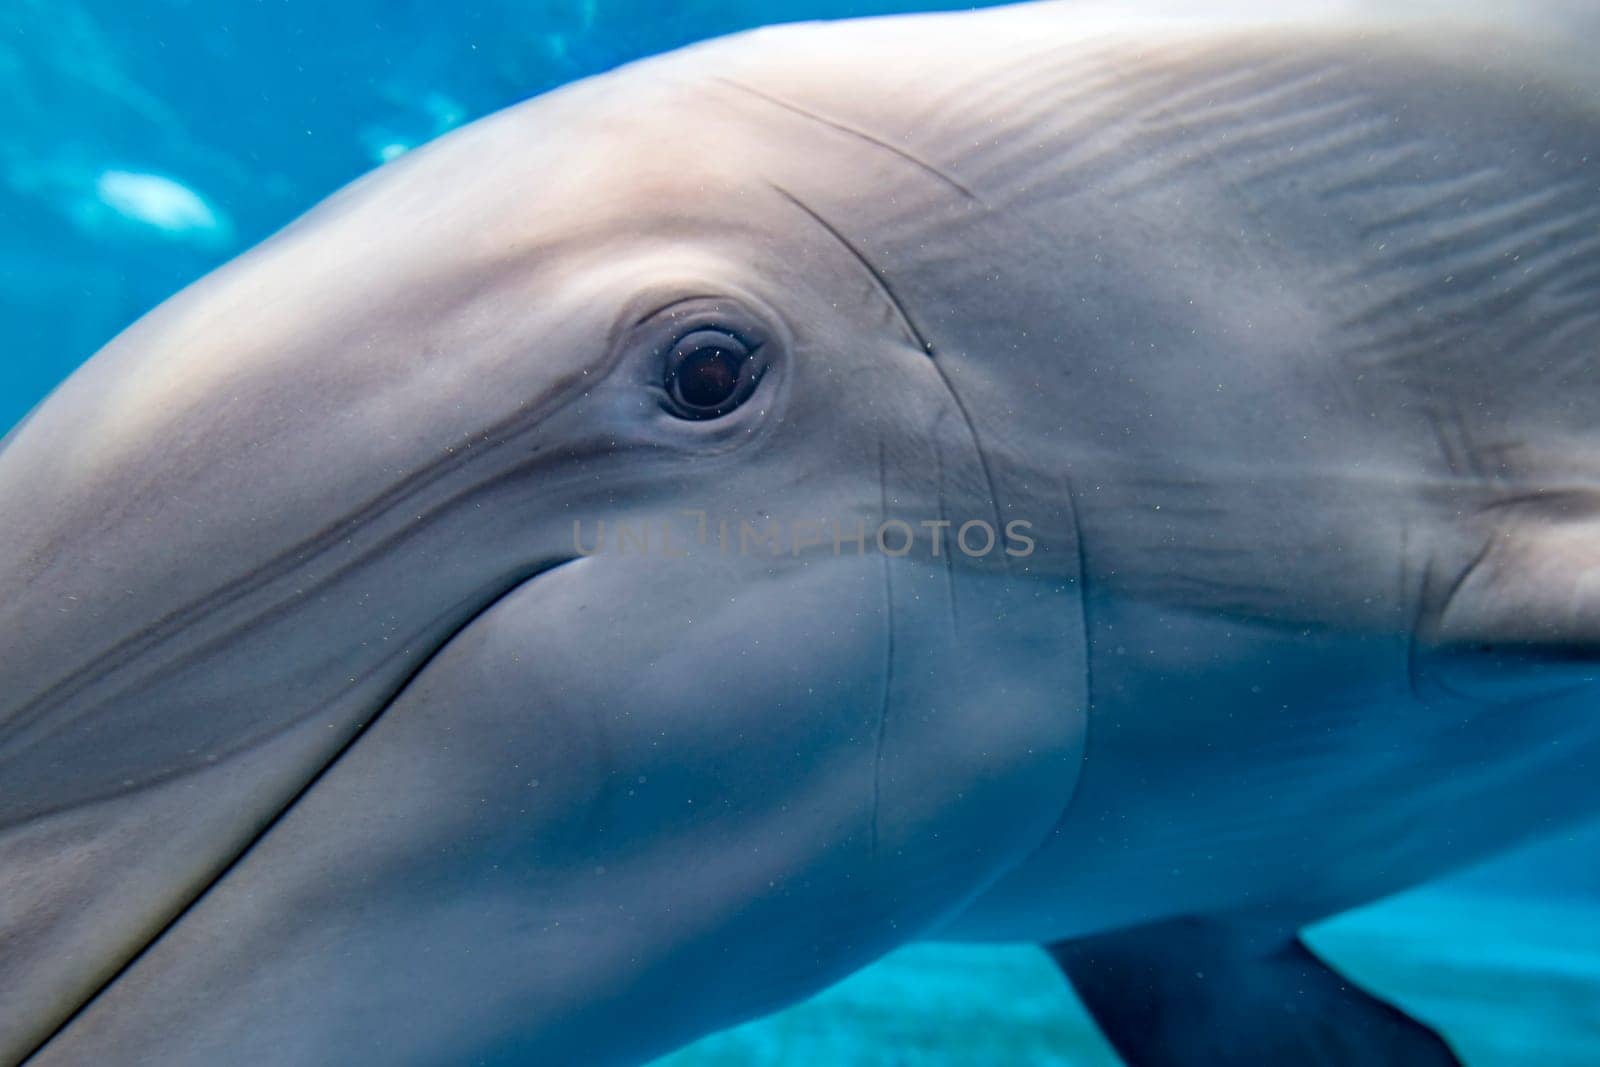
{"x": 1199, "y": 991}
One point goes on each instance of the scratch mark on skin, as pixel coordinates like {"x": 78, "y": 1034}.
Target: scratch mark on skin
{"x": 1462, "y": 456}
{"x": 920, "y": 340}
{"x": 944, "y": 519}
{"x": 1469, "y": 450}
{"x": 845, "y": 128}
{"x": 888, "y": 655}
{"x": 882, "y": 284}
{"x": 1083, "y": 591}
{"x": 1060, "y": 822}
{"x": 1452, "y": 457}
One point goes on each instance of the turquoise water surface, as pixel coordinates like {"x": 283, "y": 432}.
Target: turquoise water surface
{"x": 145, "y": 143}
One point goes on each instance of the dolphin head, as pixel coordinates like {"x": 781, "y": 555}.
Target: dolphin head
{"x": 614, "y": 336}
{"x": 425, "y": 393}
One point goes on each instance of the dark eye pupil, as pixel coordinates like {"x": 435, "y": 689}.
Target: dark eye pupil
{"x": 708, "y": 376}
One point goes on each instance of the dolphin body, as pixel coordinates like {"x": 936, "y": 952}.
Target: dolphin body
{"x": 328, "y": 735}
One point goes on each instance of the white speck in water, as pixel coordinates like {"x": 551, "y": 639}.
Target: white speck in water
{"x": 160, "y": 203}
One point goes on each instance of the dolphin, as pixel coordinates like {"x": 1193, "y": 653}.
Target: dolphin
{"x": 1120, "y": 478}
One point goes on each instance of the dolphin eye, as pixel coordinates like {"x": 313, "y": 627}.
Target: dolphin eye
{"x": 709, "y": 373}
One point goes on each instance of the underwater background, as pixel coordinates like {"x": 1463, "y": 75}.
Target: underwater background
{"x": 143, "y": 143}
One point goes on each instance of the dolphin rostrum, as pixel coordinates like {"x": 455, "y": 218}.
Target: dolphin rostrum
{"x": 1120, "y": 478}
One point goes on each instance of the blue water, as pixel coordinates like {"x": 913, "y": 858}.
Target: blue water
{"x": 144, "y": 143}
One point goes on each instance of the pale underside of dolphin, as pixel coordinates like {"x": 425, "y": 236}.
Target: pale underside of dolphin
{"x": 1275, "y": 324}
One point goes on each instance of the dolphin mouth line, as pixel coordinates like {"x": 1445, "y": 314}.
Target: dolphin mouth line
{"x": 518, "y": 582}
{"x": 512, "y": 586}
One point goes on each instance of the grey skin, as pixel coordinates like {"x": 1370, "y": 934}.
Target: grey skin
{"x": 319, "y": 743}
